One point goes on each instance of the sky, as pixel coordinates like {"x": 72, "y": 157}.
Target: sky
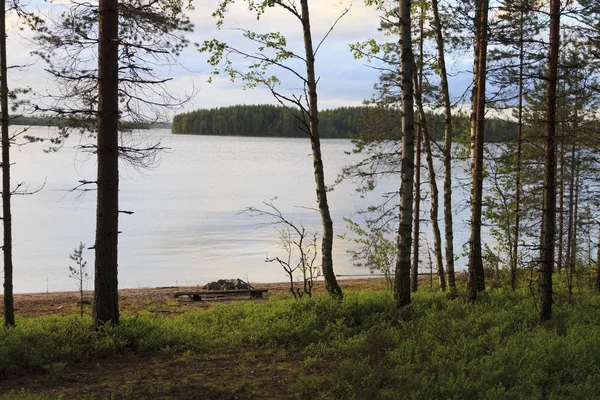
{"x": 343, "y": 81}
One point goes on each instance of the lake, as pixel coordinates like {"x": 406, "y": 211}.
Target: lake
{"x": 186, "y": 228}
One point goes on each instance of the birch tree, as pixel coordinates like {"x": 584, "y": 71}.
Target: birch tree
{"x": 402, "y": 280}
{"x": 272, "y": 51}
{"x": 445, "y": 90}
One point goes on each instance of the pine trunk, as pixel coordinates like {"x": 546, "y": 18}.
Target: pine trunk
{"x": 549, "y": 195}
{"x": 476, "y": 279}
{"x": 573, "y": 260}
{"x": 106, "y": 295}
{"x": 327, "y": 243}
{"x": 9, "y": 310}
{"x": 417, "y": 214}
{"x": 575, "y": 217}
{"x": 597, "y": 280}
{"x": 402, "y": 279}
{"x": 449, "y": 232}
{"x": 515, "y": 245}
{"x": 561, "y": 207}
{"x": 570, "y": 219}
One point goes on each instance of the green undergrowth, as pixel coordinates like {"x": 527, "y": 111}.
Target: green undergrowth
{"x": 436, "y": 348}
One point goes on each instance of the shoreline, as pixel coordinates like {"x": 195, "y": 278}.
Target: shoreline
{"x": 158, "y": 299}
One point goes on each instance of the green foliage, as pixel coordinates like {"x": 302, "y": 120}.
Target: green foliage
{"x": 435, "y": 348}
{"x": 268, "y": 120}
{"x": 377, "y": 250}
{"x": 79, "y": 272}
{"x": 150, "y": 34}
{"x": 367, "y": 124}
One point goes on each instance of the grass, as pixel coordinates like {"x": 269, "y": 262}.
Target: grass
{"x": 362, "y": 348}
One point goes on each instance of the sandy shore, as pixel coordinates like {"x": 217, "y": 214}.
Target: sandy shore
{"x": 159, "y": 300}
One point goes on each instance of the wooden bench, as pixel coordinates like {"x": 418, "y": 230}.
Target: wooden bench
{"x": 198, "y": 295}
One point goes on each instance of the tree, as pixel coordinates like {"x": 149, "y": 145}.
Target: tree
{"x": 437, "y": 240}
{"x": 9, "y": 316}
{"x": 300, "y": 249}
{"x": 448, "y": 229}
{"x": 6, "y": 138}
{"x": 476, "y": 280}
{"x": 402, "y": 280}
{"x": 129, "y": 36}
{"x": 514, "y": 65}
{"x": 546, "y": 265}
{"x": 414, "y": 285}
{"x": 273, "y": 52}
{"x": 106, "y": 295}
{"x": 79, "y": 272}
{"x": 597, "y": 277}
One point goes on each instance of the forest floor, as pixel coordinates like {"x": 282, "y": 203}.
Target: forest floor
{"x": 223, "y": 373}
{"x": 363, "y": 347}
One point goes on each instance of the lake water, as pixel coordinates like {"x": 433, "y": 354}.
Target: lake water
{"x": 186, "y": 228}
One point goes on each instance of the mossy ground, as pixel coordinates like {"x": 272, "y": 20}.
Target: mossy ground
{"x": 361, "y": 348}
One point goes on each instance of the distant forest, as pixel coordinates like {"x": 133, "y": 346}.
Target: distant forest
{"x": 44, "y": 120}
{"x": 338, "y": 123}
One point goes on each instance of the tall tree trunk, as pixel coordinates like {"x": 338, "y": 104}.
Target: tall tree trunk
{"x": 327, "y": 243}
{"x": 515, "y": 245}
{"x": 449, "y": 231}
{"x": 417, "y": 213}
{"x": 573, "y": 259}
{"x": 561, "y": 206}
{"x": 570, "y": 217}
{"x": 106, "y": 295}
{"x": 476, "y": 280}
{"x": 419, "y": 128}
{"x": 9, "y": 310}
{"x": 549, "y": 199}
{"x": 437, "y": 239}
{"x": 597, "y": 279}
{"x": 402, "y": 279}
{"x": 561, "y": 122}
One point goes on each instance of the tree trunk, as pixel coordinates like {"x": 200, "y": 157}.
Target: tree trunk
{"x": 9, "y": 310}
{"x": 437, "y": 239}
{"x": 402, "y": 279}
{"x": 570, "y": 219}
{"x": 419, "y": 128}
{"x": 417, "y": 214}
{"x": 476, "y": 280}
{"x": 327, "y": 243}
{"x": 573, "y": 260}
{"x": 449, "y": 232}
{"x": 549, "y": 199}
{"x": 561, "y": 206}
{"x": 597, "y": 280}
{"x": 106, "y": 295}
{"x": 515, "y": 245}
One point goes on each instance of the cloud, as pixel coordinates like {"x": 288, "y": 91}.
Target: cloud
{"x": 342, "y": 80}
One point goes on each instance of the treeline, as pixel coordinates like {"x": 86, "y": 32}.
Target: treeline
{"x": 268, "y": 120}
{"x": 344, "y": 122}
{"x": 45, "y": 120}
